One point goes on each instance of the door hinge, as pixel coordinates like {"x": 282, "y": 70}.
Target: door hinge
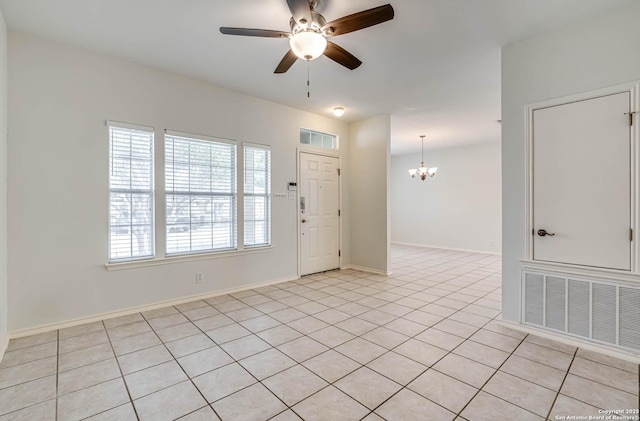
{"x": 630, "y": 234}
{"x": 339, "y": 213}
{"x": 338, "y": 171}
{"x": 631, "y": 117}
{"x": 339, "y": 253}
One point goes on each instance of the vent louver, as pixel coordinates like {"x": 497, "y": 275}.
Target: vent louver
{"x": 534, "y": 287}
{"x": 579, "y": 315}
{"x": 555, "y": 299}
{"x": 601, "y": 311}
{"x": 630, "y": 318}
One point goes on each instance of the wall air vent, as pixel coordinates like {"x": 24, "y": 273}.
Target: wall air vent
{"x": 601, "y": 311}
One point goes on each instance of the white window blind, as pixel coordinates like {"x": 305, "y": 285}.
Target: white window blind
{"x": 131, "y": 209}
{"x": 257, "y": 196}
{"x": 200, "y": 195}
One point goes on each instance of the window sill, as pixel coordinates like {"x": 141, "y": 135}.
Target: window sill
{"x": 185, "y": 258}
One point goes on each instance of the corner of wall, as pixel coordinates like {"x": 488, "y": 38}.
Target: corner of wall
{"x": 4, "y": 302}
{"x": 369, "y": 146}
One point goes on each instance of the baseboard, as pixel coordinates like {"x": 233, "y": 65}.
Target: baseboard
{"x": 365, "y": 269}
{"x": 402, "y": 243}
{"x": 4, "y": 343}
{"x": 573, "y": 341}
{"x": 132, "y": 310}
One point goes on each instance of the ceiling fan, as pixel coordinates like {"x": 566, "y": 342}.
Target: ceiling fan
{"x": 309, "y": 33}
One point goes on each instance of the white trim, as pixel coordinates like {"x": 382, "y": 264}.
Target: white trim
{"x": 312, "y": 150}
{"x": 182, "y": 258}
{"x": 241, "y": 194}
{"x": 319, "y": 149}
{"x": 331, "y": 153}
{"x": 139, "y": 309}
{"x": 4, "y": 343}
{"x": 574, "y": 271}
{"x": 118, "y": 125}
{"x": 255, "y": 145}
{"x": 195, "y": 136}
{"x": 123, "y": 125}
{"x": 365, "y": 269}
{"x": 401, "y": 243}
{"x": 634, "y": 90}
{"x": 573, "y": 341}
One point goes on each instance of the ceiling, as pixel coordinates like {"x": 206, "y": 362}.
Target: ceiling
{"x": 435, "y": 67}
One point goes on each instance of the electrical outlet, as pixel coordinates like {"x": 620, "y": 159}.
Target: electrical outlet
{"x": 199, "y": 278}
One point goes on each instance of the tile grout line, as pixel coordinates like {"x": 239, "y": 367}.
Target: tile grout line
{"x": 356, "y": 336}
{"x": 430, "y": 367}
{"x": 126, "y": 386}
{"x": 562, "y": 384}
{"x": 310, "y": 315}
{"x": 480, "y": 389}
{"x": 297, "y": 363}
{"x": 234, "y": 361}
{"x": 338, "y": 282}
{"x": 179, "y": 365}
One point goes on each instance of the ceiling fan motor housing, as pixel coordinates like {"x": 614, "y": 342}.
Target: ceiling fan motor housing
{"x": 318, "y": 21}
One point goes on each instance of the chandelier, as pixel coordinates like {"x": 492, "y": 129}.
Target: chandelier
{"x": 423, "y": 171}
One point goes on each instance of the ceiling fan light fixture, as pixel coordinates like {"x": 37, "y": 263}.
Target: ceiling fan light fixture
{"x": 338, "y": 111}
{"x": 308, "y": 45}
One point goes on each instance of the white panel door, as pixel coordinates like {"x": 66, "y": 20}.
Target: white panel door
{"x": 582, "y": 183}
{"x": 319, "y": 207}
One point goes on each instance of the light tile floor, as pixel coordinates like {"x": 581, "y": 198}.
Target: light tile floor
{"x": 422, "y": 344}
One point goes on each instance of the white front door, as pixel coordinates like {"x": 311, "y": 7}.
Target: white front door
{"x": 582, "y": 183}
{"x": 319, "y": 213}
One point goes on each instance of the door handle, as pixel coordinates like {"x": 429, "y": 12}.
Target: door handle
{"x": 303, "y": 221}
{"x": 543, "y": 232}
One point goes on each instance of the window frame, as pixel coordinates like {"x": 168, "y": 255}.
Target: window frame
{"x": 267, "y": 195}
{"x": 234, "y": 195}
{"x": 336, "y": 140}
{"x": 110, "y": 124}
{"x": 158, "y": 201}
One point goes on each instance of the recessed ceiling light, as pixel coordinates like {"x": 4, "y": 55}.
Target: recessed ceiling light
{"x": 338, "y": 111}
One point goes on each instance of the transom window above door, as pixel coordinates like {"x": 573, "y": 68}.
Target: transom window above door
{"x": 318, "y": 139}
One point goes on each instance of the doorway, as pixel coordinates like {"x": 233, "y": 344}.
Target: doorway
{"x": 319, "y": 212}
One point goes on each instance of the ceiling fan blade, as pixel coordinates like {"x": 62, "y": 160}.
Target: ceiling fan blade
{"x": 286, "y": 62}
{"x": 247, "y": 32}
{"x": 359, "y": 20}
{"x": 300, "y": 10}
{"x": 341, "y": 56}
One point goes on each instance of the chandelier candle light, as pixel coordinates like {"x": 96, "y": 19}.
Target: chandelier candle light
{"x": 423, "y": 171}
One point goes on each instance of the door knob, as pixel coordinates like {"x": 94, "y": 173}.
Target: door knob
{"x": 303, "y": 221}
{"x": 543, "y": 232}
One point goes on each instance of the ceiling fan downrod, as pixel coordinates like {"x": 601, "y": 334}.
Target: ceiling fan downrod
{"x": 308, "y": 78}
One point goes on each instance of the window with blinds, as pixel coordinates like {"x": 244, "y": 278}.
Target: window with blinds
{"x": 257, "y": 196}
{"x": 131, "y": 191}
{"x": 200, "y": 178}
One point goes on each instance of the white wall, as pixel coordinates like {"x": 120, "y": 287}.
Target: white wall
{"x": 597, "y": 53}
{"x": 368, "y": 172}
{"x": 459, "y": 208}
{"x": 59, "y": 98}
{"x": 3, "y": 185}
